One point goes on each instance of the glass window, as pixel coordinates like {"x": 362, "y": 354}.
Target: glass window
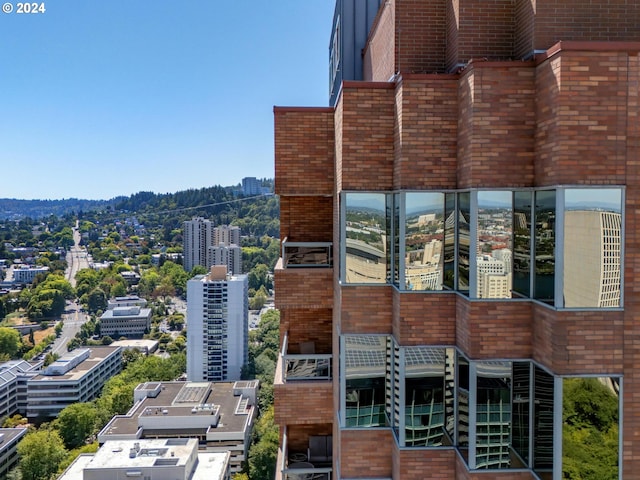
{"x": 365, "y": 367}
{"x": 545, "y": 242}
{"x": 520, "y": 404}
{"x": 592, "y": 247}
{"x": 494, "y": 246}
{"x": 423, "y": 240}
{"x": 522, "y": 202}
{"x": 366, "y": 238}
{"x": 543, "y": 402}
{"x": 463, "y": 405}
{"x": 590, "y": 428}
{"x": 464, "y": 240}
{"x": 450, "y": 240}
{"x": 396, "y": 240}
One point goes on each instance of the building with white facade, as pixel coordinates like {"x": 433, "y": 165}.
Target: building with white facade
{"x": 226, "y": 235}
{"x": 217, "y": 315}
{"x": 25, "y": 274}
{"x": 9, "y": 439}
{"x": 76, "y": 377}
{"x": 130, "y": 321}
{"x": 13, "y": 386}
{"x": 128, "y": 301}
{"x": 229, "y": 255}
{"x": 219, "y": 415}
{"x": 160, "y": 459}
{"x": 198, "y": 237}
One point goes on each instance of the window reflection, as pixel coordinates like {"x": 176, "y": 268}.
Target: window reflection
{"x": 592, "y": 247}
{"x": 424, "y": 241}
{"x": 494, "y": 232}
{"x": 542, "y": 423}
{"x": 396, "y": 240}
{"x": 449, "y": 240}
{"x": 520, "y": 405}
{"x": 366, "y": 238}
{"x": 545, "y": 241}
{"x": 424, "y": 406}
{"x": 522, "y": 202}
{"x": 590, "y": 425}
{"x": 464, "y": 240}
{"x": 365, "y": 375}
{"x": 463, "y": 405}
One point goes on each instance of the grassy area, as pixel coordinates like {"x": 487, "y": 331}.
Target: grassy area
{"x": 38, "y": 335}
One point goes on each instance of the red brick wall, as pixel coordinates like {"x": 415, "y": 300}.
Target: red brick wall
{"x": 317, "y": 407}
{"x": 303, "y": 288}
{"x": 453, "y": 19}
{"x": 366, "y": 309}
{"x": 424, "y": 318}
{"x": 579, "y": 342}
{"x": 582, "y": 116}
{"x": 497, "y": 125}
{"x": 524, "y": 29}
{"x": 604, "y": 20}
{"x": 414, "y": 464}
{"x": 485, "y": 29}
{"x": 496, "y": 329}
{"x": 426, "y": 132}
{"x": 378, "y": 62}
{"x": 303, "y": 150}
{"x": 361, "y": 454}
{"x": 306, "y": 219}
{"x": 298, "y": 435}
{"x": 367, "y": 111}
{"x": 420, "y": 36}
{"x": 306, "y": 325}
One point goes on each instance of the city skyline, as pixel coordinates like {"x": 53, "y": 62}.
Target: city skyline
{"x": 109, "y": 99}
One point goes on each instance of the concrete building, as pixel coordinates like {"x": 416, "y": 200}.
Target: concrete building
{"x": 217, "y": 315}
{"x": 131, "y": 321}
{"x": 14, "y": 375}
{"x": 228, "y": 255}
{"x": 129, "y": 301}
{"x": 219, "y": 415}
{"x": 160, "y": 459}
{"x": 9, "y": 439}
{"x": 515, "y": 123}
{"x": 76, "y": 377}
{"x": 198, "y": 237}
{"x": 251, "y": 186}
{"x": 226, "y": 235}
{"x": 146, "y": 347}
{"x": 26, "y": 274}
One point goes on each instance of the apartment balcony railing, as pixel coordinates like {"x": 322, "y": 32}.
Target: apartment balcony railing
{"x": 297, "y": 465}
{"x": 304, "y": 366}
{"x": 306, "y": 254}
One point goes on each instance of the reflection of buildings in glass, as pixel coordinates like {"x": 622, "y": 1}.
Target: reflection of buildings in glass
{"x": 520, "y": 222}
{"x": 364, "y": 263}
{"x": 494, "y": 279}
{"x": 423, "y": 268}
{"x": 424, "y": 396}
{"x": 592, "y": 252}
{"x": 365, "y": 374}
{"x": 493, "y": 415}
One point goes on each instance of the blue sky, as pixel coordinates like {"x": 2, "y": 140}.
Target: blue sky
{"x": 107, "y": 98}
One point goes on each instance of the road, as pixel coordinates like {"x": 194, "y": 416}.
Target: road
{"x": 77, "y": 258}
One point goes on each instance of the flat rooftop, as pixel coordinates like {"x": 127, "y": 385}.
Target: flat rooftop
{"x": 96, "y": 356}
{"x": 8, "y": 434}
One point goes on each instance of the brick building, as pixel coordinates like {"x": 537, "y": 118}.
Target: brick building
{"x": 490, "y": 146}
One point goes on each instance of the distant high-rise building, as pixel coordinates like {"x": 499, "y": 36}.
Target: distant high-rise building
{"x": 226, "y": 235}
{"x": 198, "y": 237}
{"x": 251, "y": 186}
{"x": 217, "y": 337}
{"x": 229, "y": 255}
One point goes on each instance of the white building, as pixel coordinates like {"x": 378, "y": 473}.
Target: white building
{"x": 160, "y": 459}
{"x": 76, "y": 377}
{"x": 493, "y": 279}
{"x": 226, "y": 235}
{"x": 130, "y": 321}
{"x": 197, "y": 238}
{"x": 9, "y": 439}
{"x": 129, "y": 301}
{"x": 217, "y": 318}
{"x": 14, "y": 375}
{"x": 219, "y": 415}
{"x": 26, "y": 274}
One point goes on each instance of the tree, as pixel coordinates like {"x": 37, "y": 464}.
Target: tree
{"x": 264, "y": 452}
{"x": 10, "y": 341}
{"x": 40, "y": 454}
{"x": 97, "y": 300}
{"x": 75, "y": 423}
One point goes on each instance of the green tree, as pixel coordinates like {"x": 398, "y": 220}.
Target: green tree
{"x": 263, "y": 453}
{"x": 75, "y": 423}
{"x": 97, "y": 300}
{"x": 10, "y": 341}
{"x": 40, "y": 454}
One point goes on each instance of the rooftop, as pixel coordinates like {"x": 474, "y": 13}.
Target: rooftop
{"x": 96, "y": 356}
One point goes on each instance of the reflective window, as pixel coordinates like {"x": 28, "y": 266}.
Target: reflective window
{"x": 493, "y": 415}
{"x": 494, "y": 259}
{"x": 522, "y": 202}
{"x": 520, "y": 403}
{"x": 365, "y": 367}
{"x": 423, "y": 240}
{"x": 545, "y": 242}
{"x": 592, "y": 247}
{"x": 543, "y": 400}
{"x": 396, "y": 240}
{"x": 424, "y": 403}
{"x": 464, "y": 240}
{"x": 590, "y": 428}
{"x": 463, "y": 406}
{"x": 366, "y": 240}
{"x": 450, "y": 240}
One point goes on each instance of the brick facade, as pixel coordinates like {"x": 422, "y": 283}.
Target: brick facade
{"x": 464, "y": 94}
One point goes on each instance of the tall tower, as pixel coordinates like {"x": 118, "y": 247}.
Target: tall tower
{"x": 217, "y": 335}
{"x": 198, "y": 236}
{"x": 506, "y": 134}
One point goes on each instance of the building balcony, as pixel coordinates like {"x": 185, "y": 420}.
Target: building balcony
{"x": 306, "y": 254}
{"x": 303, "y": 387}
{"x": 312, "y": 463}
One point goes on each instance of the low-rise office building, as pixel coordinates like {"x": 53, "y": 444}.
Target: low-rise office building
{"x": 75, "y": 377}
{"x": 25, "y": 274}
{"x": 219, "y": 415}
{"x": 13, "y": 386}
{"x": 144, "y": 346}
{"x": 160, "y": 459}
{"x": 128, "y": 301}
{"x": 9, "y": 438}
{"x": 131, "y": 321}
